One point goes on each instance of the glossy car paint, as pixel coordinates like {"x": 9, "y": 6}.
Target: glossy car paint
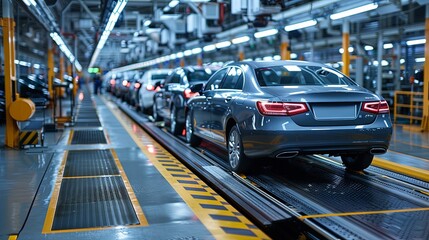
{"x": 320, "y": 130}
{"x": 147, "y": 89}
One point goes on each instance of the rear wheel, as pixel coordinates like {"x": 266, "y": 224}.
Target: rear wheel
{"x": 175, "y": 128}
{"x": 357, "y": 162}
{"x": 237, "y": 160}
{"x": 155, "y": 115}
{"x": 190, "y": 136}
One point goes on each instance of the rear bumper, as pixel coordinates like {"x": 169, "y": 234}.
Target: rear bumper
{"x": 270, "y": 140}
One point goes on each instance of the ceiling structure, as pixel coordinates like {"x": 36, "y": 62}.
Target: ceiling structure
{"x": 153, "y": 30}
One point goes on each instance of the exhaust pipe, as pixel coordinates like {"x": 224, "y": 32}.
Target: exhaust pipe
{"x": 289, "y": 154}
{"x": 376, "y": 151}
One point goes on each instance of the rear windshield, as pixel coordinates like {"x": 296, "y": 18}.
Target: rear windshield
{"x": 159, "y": 76}
{"x": 199, "y": 75}
{"x": 294, "y": 75}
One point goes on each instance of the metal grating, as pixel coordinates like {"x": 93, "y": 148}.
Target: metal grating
{"x": 93, "y": 202}
{"x": 94, "y": 123}
{"x": 89, "y": 137}
{"x": 90, "y": 163}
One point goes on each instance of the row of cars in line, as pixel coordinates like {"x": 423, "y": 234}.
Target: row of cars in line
{"x": 274, "y": 109}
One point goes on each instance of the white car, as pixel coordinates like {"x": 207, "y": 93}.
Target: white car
{"x": 147, "y": 89}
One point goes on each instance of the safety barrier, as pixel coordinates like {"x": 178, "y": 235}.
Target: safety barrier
{"x": 408, "y": 105}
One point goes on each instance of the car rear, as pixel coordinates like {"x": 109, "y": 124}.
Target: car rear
{"x": 298, "y": 117}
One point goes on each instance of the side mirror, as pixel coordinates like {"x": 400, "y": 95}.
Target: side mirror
{"x": 197, "y": 88}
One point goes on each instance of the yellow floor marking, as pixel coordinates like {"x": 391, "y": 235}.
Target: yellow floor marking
{"x": 203, "y": 214}
{"x": 49, "y": 220}
{"x": 13, "y": 237}
{"x": 402, "y": 169}
{"x": 130, "y": 191}
{"x": 363, "y": 213}
{"x": 70, "y": 137}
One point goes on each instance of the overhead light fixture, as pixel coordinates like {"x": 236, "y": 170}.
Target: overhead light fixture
{"x": 300, "y": 25}
{"x": 240, "y": 40}
{"x": 147, "y": 23}
{"x": 354, "y": 11}
{"x": 179, "y": 54}
{"x": 368, "y": 47}
{"x": 119, "y": 7}
{"x": 30, "y": 2}
{"x": 196, "y": 50}
{"x": 416, "y": 42}
{"x": 420, "y": 60}
{"x": 223, "y": 44}
{"x": 63, "y": 47}
{"x": 266, "y": 33}
{"x": 387, "y": 45}
{"x": 341, "y": 50}
{"x": 209, "y": 48}
{"x": 187, "y": 53}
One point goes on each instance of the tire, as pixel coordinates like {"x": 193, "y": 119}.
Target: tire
{"x": 238, "y": 162}
{"x": 155, "y": 115}
{"x": 357, "y": 162}
{"x": 175, "y": 127}
{"x": 142, "y": 108}
{"x": 190, "y": 136}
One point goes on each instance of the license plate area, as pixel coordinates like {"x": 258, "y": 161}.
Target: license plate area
{"x": 335, "y": 111}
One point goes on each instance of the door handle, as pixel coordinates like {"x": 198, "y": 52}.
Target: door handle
{"x": 227, "y": 99}
{"x": 209, "y": 98}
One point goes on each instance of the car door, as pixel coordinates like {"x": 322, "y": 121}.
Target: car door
{"x": 170, "y": 84}
{"x": 224, "y": 96}
{"x": 201, "y": 108}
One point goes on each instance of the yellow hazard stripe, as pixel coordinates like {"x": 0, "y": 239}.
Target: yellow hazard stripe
{"x": 402, "y": 169}
{"x": 28, "y": 138}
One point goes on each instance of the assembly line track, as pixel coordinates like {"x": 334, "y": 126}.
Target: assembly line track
{"x": 314, "y": 196}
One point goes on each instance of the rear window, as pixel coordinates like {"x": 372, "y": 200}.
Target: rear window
{"x": 159, "y": 76}
{"x": 199, "y": 75}
{"x": 294, "y": 75}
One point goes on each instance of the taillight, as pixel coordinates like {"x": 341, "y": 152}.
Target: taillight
{"x": 189, "y": 94}
{"x": 281, "y": 109}
{"x": 124, "y": 83}
{"x": 112, "y": 82}
{"x": 376, "y": 107}
{"x": 137, "y": 85}
{"x": 150, "y": 87}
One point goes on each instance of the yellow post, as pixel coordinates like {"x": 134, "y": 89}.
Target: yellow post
{"x": 346, "y": 54}
{"x": 284, "y": 47}
{"x": 12, "y": 130}
{"x": 200, "y": 59}
{"x": 182, "y": 62}
{"x": 69, "y": 69}
{"x": 240, "y": 53}
{"x": 425, "y": 121}
{"x": 51, "y": 70}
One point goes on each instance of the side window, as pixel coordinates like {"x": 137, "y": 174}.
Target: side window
{"x": 215, "y": 80}
{"x": 175, "y": 78}
{"x": 234, "y": 79}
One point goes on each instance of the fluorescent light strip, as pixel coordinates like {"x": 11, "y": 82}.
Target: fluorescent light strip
{"x": 196, "y": 50}
{"x": 223, "y": 44}
{"x": 387, "y": 45}
{"x": 209, "y": 48}
{"x": 300, "y": 25}
{"x": 354, "y": 11}
{"x": 420, "y": 60}
{"x": 120, "y": 5}
{"x": 368, "y": 48}
{"x": 240, "y": 40}
{"x": 266, "y": 33}
{"x": 173, "y": 3}
{"x": 416, "y": 42}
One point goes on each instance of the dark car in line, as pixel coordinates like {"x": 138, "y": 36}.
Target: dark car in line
{"x": 170, "y": 101}
{"x": 281, "y": 109}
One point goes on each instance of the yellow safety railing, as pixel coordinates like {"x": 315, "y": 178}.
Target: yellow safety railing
{"x": 408, "y": 105}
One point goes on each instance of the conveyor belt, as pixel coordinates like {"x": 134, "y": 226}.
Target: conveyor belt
{"x": 372, "y": 209}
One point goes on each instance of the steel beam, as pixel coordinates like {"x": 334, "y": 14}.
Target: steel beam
{"x": 346, "y": 54}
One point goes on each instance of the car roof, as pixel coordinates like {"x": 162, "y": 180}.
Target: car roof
{"x": 262, "y": 64}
